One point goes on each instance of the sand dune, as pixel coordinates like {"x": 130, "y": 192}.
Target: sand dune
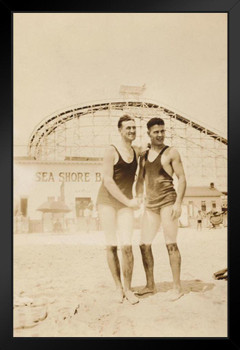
{"x": 63, "y": 288}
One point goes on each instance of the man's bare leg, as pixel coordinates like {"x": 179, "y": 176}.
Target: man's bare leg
{"x": 170, "y": 230}
{"x": 175, "y": 263}
{"x": 107, "y": 218}
{"x": 114, "y": 266}
{"x": 125, "y": 229}
{"x": 127, "y": 268}
{"x": 148, "y": 263}
{"x": 150, "y": 226}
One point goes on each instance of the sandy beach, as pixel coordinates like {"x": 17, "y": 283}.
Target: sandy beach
{"x": 62, "y": 287}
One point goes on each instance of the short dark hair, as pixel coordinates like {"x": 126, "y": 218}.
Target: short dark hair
{"x": 155, "y": 121}
{"x": 124, "y": 118}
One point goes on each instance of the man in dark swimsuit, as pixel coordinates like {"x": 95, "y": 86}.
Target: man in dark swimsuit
{"x": 116, "y": 206}
{"x": 199, "y": 220}
{"x": 163, "y": 203}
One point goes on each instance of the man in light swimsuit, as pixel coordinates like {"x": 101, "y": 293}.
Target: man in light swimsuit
{"x": 163, "y": 203}
{"x": 116, "y": 206}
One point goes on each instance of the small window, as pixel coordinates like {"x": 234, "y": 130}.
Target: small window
{"x": 214, "y": 204}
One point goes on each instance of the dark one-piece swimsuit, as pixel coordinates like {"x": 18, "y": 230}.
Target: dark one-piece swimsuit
{"x": 160, "y": 191}
{"x": 124, "y": 176}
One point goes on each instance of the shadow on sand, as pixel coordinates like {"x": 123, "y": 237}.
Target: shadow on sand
{"x": 195, "y": 286}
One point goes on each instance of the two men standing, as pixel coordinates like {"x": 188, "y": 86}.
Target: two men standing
{"x": 163, "y": 204}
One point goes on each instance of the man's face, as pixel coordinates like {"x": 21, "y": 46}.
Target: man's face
{"x": 128, "y": 130}
{"x": 157, "y": 134}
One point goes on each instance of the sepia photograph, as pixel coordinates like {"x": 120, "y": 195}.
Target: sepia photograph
{"x": 120, "y": 181}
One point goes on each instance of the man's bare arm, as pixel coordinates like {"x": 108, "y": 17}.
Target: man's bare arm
{"x": 179, "y": 172}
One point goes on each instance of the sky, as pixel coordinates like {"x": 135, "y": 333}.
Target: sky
{"x": 66, "y": 59}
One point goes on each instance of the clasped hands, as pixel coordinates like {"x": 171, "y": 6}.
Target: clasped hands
{"x": 136, "y": 202}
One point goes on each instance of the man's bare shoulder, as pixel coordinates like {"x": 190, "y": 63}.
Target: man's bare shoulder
{"x": 137, "y": 149}
{"x": 109, "y": 151}
{"x": 144, "y": 152}
{"x": 172, "y": 152}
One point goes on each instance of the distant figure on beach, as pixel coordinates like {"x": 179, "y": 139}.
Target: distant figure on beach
{"x": 116, "y": 206}
{"x": 88, "y": 214}
{"x": 19, "y": 222}
{"x": 163, "y": 204}
{"x": 215, "y": 219}
{"x": 199, "y": 220}
{"x": 95, "y": 218}
{"x": 58, "y": 226}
